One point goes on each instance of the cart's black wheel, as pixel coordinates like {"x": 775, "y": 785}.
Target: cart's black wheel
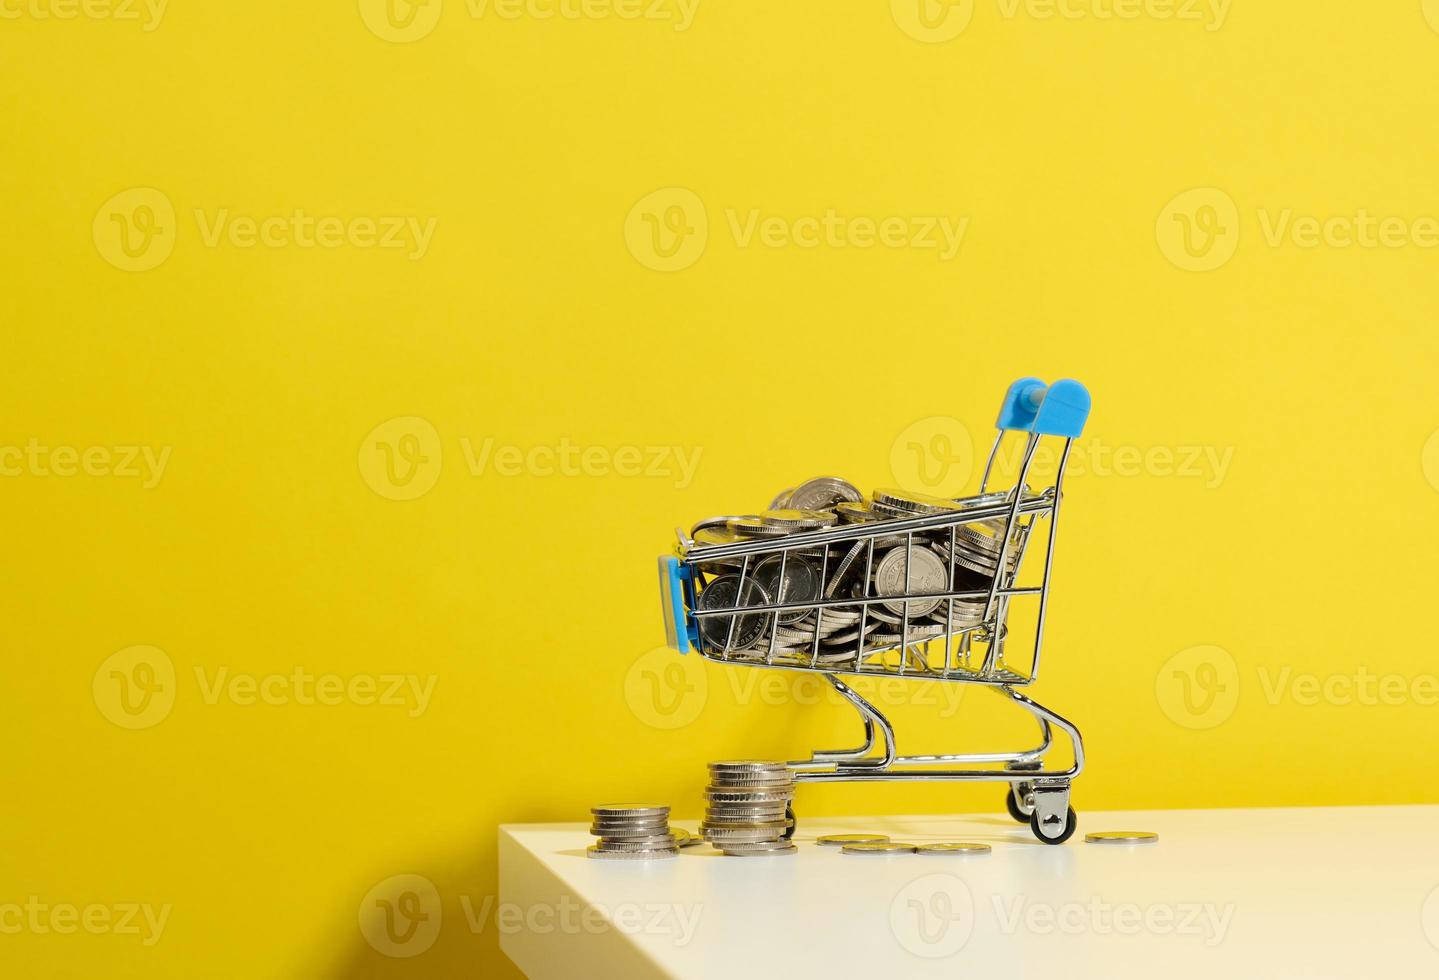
{"x": 788, "y": 821}
{"x": 1013, "y": 805}
{"x": 1071, "y": 824}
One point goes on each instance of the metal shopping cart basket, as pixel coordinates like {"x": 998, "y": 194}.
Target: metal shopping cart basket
{"x": 913, "y": 587}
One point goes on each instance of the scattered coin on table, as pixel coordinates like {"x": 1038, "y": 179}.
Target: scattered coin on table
{"x": 953, "y": 847}
{"x": 889, "y": 847}
{"x": 839, "y": 840}
{"x": 1121, "y": 837}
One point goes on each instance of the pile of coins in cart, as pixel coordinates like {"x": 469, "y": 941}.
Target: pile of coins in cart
{"x": 961, "y": 559}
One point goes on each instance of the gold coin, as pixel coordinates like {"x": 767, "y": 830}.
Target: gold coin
{"x": 953, "y": 847}
{"x": 1122, "y": 837}
{"x": 889, "y": 847}
{"x": 841, "y": 839}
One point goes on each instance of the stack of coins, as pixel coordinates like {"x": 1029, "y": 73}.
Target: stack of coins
{"x": 745, "y": 812}
{"x": 632, "y": 831}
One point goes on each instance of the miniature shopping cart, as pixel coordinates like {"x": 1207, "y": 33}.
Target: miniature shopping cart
{"x": 880, "y": 609}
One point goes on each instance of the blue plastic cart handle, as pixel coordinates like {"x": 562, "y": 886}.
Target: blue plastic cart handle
{"x": 672, "y": 591}
{"x": 1060, "y": 409}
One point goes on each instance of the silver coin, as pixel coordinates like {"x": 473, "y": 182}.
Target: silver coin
{"x": 630, "y": 827}
{"x": 800, "y": 583}
{"x": 707, "y": 536}
{"x": 737, "y": 777}
{"x": 743, "y": 796}
{"x": 753, "y": 527}
{"x": 743, "y": 828}
{"x": 596, "y": 852}
{"x": 1122, "y": 837}
{"x": 631, "y": 810}
{"x": 759, "y": 851}
{"x": 721, "y": 594}
{"x": 611, "y": 830}
{"x": 750, "y": 765}
{"x": 719, "y": 809}
{"x": 823, "y": 493}
{"x": 781, "y": 774}
{"x": 857, "y": 513}
{"x": 911, "y": 504}
{"x": 781, "y": 499}
{"x": 797, "y": 519}
{"x": 926, "y": 573}
{"x": 717, "y": 523}
{"x": 846, "y": 563}
{"x": 915, "y": 634}
{"x": 628, "y": 845}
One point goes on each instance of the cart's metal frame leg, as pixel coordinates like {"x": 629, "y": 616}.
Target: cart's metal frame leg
{"x": 863, "y": 756}
{"x": 861, "y": 764}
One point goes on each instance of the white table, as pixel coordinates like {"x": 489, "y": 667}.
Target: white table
{"x": 1335, "y": 892}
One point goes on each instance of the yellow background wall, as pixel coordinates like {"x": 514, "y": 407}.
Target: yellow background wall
{"x": 598, "y": 266}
